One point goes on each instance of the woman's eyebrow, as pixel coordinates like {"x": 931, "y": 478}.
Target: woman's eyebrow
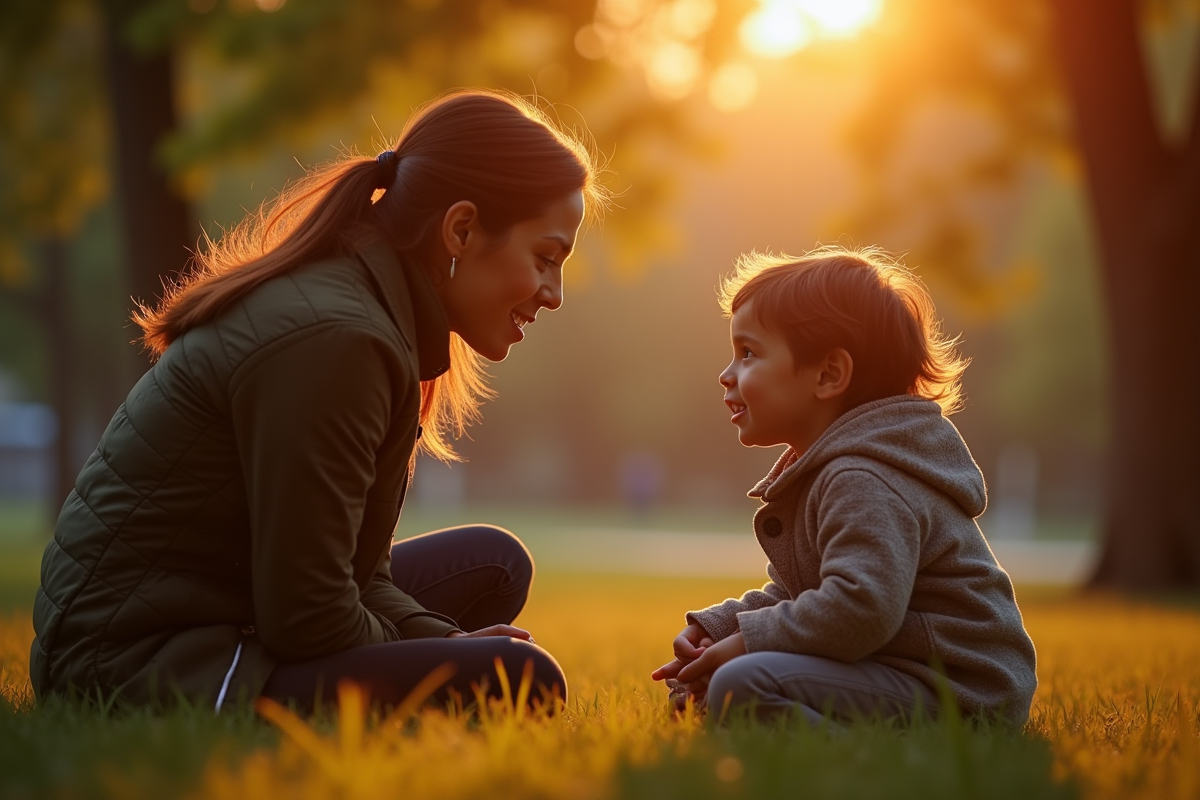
{"x": 563, "y": 243}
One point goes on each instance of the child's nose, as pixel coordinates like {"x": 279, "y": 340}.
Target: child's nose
{"x": 726, "y": 378}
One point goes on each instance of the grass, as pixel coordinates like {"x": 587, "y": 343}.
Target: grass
{"x": 1115, "y": 717}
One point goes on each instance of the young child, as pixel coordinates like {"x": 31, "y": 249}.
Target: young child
{"x": 881, "y": 583}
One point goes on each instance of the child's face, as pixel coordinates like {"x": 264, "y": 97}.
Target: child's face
{"x": 772, "y": 401}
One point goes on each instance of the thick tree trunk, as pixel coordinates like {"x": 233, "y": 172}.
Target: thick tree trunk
{"x": 64, "y": 376}
{"x": 154, "y": 216}
{"x": 1145, "y": 198}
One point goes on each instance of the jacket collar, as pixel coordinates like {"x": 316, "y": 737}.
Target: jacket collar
{"x": 412, "y": 303}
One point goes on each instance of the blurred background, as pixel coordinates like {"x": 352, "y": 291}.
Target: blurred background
{"x": 953, "y": 133}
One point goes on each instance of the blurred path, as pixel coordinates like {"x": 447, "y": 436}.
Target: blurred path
{"x": 633, "y": 552}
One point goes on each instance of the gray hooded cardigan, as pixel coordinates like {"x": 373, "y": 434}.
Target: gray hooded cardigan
{"x": 875, "y": 553}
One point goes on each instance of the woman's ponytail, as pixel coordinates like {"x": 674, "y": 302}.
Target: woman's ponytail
{"x": 304, "y": 224}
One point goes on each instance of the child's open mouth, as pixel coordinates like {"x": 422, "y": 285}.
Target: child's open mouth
{"x": 737, "y": 409}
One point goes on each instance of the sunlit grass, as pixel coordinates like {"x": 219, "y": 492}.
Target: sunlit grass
{"x": 1115, "y": 717}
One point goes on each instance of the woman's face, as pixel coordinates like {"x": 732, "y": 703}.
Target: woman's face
{"x": 501, "y": 282}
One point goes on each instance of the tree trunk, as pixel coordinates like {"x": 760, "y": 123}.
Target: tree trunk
{"x": 1145, "y": 199}
{"x": 155, "y": 223}
{"x": 64, "y": 378}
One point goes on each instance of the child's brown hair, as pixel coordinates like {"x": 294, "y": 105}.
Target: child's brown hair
{"x": 864, "y": 301}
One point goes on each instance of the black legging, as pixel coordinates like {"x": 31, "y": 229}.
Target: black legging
{"x": 477, "y": 575}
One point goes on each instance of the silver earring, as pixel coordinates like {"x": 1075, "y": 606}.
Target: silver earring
{"x": 453, "y": 261}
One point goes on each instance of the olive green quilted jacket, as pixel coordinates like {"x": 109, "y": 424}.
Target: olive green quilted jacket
{"x": 239, "y": 509}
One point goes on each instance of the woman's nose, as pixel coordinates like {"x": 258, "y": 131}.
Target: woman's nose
{"x": 551, "y": 292}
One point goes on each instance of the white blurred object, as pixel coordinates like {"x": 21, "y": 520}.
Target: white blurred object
{"x": 28, "y": 432}
{"x": 737, "y": 555}
{"x": 1013, "y": 514}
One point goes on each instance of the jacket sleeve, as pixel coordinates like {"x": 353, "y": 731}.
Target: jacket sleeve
{"x": 411, "y": 619}
{"x": 721, "y": 620}
{"x": 308, "y": 416}
{"x": 869, "y": 543}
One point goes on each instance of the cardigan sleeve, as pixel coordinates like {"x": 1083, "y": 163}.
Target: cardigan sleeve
{"x": 308, "y": 417}
{"x": 721, "y": 620}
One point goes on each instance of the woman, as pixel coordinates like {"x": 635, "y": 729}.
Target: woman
{"x": 231, "y": 534}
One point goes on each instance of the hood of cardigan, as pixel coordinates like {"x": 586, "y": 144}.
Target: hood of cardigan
{"x": 908, "y": 433}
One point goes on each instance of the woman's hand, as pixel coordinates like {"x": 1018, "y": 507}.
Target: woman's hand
{"x": 493, "y": 630}
{"x": 689, "y": 645}
{"x": 713, "y": 657}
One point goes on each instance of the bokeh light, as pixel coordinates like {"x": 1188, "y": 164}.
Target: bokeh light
{"x": 691, "y": 18}
{"x": 591, "y": 42}
{"x": 672, "y": 70}
{"x": 733, "y": 86}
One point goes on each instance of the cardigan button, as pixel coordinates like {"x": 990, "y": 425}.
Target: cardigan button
{"x": 772, "y": 526}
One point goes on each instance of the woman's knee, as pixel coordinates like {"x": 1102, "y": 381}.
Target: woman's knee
{"x": 506, "y": 550}
{"x": 545, "y": 675}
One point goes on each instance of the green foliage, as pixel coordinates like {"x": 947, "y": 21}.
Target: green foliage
{"x": 53, "y": 126}
{"x": 965, "y": 99}
{"x": 1050, "y": 383}
{"x": 987, "y": 74}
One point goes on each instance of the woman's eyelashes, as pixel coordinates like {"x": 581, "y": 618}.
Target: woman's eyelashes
{"x": 548, "y": 262}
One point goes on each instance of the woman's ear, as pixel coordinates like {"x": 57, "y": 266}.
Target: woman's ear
{"x": 457, "y": 225}
{"x": 833, "y": 378}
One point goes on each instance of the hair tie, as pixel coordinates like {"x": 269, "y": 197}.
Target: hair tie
{"x": 387, "y": 162}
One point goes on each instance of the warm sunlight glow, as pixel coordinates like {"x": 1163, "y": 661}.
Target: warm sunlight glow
{"x": 840, "y": 17}
{"x": 732, "y": 87}
{"x": 779, "y": 28}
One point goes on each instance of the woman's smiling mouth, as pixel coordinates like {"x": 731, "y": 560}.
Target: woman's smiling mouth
{"x": 519, "y": 321}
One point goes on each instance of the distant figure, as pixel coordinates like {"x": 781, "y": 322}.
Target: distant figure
{"x": 641, "y": 480}
{"x": 881, "y": 585}
{"x": 231, "y": 536}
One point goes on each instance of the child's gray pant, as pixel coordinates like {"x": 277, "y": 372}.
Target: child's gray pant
{"x": 775, "y": 683}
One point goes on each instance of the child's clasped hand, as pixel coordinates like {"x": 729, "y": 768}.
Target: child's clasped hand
{"x": 697, "y": 657}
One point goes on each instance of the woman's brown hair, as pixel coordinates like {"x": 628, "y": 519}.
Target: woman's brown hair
{"x": 492, "y": 148}
{"x": 862, "y": 300}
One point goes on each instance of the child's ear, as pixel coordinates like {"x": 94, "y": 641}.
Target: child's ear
{"x": 833, "y": 379}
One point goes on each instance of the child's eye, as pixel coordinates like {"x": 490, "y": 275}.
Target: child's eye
{"x": 747, "y": 353}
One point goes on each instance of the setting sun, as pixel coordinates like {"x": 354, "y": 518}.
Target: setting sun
{"x": 779, "y": 28}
